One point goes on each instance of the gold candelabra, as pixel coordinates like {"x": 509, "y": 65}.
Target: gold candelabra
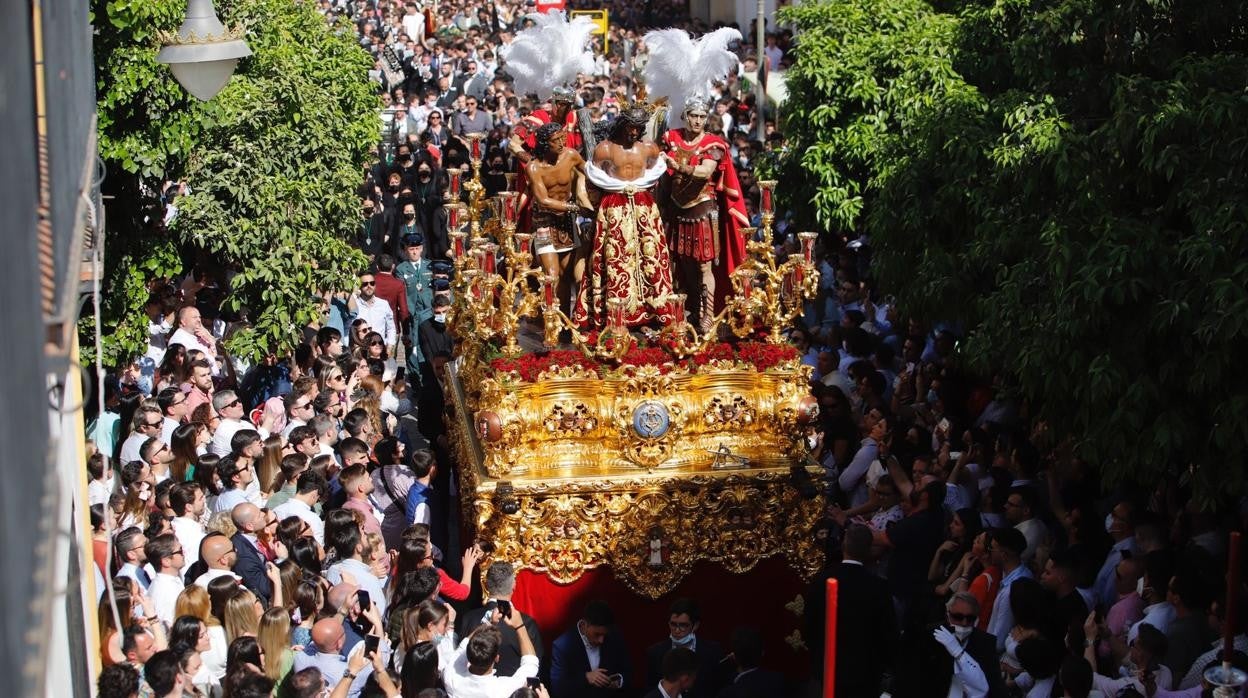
{"x": 496, "y": 284}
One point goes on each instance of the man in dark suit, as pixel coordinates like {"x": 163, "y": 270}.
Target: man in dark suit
{"x": 954, "y": 651}
{"x": 590, "y": 660}
{"x": 251, "y": 564}
{"x": 865, "y": 620}
{"x": 683, "y": 625}
{"x": 751, "y": 681}
{"x": 500, "y": 582}
{"x": 679, "y": 672}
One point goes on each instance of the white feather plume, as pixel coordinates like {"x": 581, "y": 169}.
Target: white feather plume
{"x": 680, "y": 67}
{"x": 549, "y": 54}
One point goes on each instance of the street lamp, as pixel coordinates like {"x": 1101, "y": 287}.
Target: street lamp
{"x": 203, "y": 54}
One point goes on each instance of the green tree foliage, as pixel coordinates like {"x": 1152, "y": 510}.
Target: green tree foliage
{"x": 1076, "y": 195}
{"x": 272, "y": 163}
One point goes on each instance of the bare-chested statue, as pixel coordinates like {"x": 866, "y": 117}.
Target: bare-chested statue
{"x": 557, "y": 191}
{"x": 629, "y": 259}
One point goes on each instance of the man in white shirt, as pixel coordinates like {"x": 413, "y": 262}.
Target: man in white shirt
{"x": 219, "y": 555}
{"x": 172, "y": 403}
{"x": 234, "y": 479}
{"x": 308, "y": 491}
{"x": 230, "y": 408}
{"x": 165, "y": 553}
{"x": 188, "y": 502}
{"x": 470, "y": 673}
{"x": 130, "y": 548}
{"x": 1020, "y": 508}
{"x": 1154, "y": 587}
{"x": 192, "y": 334}
{"x": 414, "y": 23}
{"x": 365, "y": 304}
{"x": 145, "y": 424}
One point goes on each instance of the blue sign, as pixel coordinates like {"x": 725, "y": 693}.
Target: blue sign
{"x": 651, "y": 419}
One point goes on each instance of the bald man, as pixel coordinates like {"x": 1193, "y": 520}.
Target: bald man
{"x": 217, "y": 552}
{"x": 248, "y": 519}
{"x": 344, "y": 598}
{"x": 192, "y": 334}
{"x": 328, "y": 652}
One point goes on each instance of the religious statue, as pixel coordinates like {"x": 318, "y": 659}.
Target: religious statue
{"x": 629, "y": 260}
{"x": 705, "y": 213}
{"x": 557, "y": 192}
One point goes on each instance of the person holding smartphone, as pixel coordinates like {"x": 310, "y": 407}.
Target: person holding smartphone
{"x": 471, "y": 674}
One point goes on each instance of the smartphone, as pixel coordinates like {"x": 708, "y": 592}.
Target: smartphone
{"x": 370, "y": 645}
{"x": 533, "y": 682}
{"x": 365, "y": 602}
{"x": 504, "y": 607}
{"x": 617, "y": 679}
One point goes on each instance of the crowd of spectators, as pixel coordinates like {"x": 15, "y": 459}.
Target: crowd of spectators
{"x": 285, "y": 527}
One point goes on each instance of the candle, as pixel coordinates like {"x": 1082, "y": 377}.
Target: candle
{"x": 765, "y": 186}
{"x": 676, "y": 307}
{"x": 523, "y": 242}
{"x": 799, "y": 273}
{"x": 747, "y": 283}
{"x": 808, "y": 246}
{"x": 615, "y": 315}
{"x": 453, "y": 187}
{"x": 452, "y": 216}
{"x": 476, "y": 146}
{"x": 829, "y": 640}
{"x": 509, "y": 207}
{"x": 786, "y": 285}
{"x": 548, "y": 290}
{"x": 457, "y": 237}
{"x": 490, "y": 251}
{"x": 1232, "y": 598}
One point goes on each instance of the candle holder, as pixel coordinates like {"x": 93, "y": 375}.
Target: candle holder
{"x": 457, "y": 246}
{"x": 766, "y": 188}
{"x": 452, "y": 215}
{"x": 808, "y": 246}
{"x": 676, "y": 307}
{"x": 453, "y": 184}
{"x": 474, "y": 148}
{"x": 509, "y": 205}
{"x": 749, "y": 233}
{"x": 511, "y": 181}
{"x": 1225, "y": 679}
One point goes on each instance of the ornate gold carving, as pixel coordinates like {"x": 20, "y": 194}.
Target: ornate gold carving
{"x": 570, "y": 418}
{"x": 727, "y": 411}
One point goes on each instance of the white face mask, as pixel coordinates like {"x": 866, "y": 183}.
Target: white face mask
{"x": 1011, "y": 645}
{"x": 1109, "y": 522}
{"x": 962, "y": 632}
{"x": 1139, "y": 586}
{"x": 683, "y": 641}
{"x": 439, "y": 317}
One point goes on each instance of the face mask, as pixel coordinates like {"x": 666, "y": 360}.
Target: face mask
{"x": 1139, "y": 586}
{"x": 931, "y": 397}
{"x": 394, "y": 187}
{"x": 439, "y": 317}
{"x": 409, "y": 216}
{"x": 962, "y": 632}
{"x": 424, "y": 174}
{"x": 1011, "y": 646}
{"x": 682, "y": 642}
{"x": 1109, "y": 522}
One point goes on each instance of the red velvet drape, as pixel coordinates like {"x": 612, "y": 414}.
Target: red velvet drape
{"x": 727, "y": 600}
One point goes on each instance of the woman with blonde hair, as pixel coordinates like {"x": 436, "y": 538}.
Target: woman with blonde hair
{"x": 195, "y": 601}
{"x": 273, "y": 637}
{"x": 241, "y": 615}
{"x": 136, "y": 506}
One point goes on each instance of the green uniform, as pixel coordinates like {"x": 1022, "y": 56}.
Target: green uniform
{"x": 418, "y": 278}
